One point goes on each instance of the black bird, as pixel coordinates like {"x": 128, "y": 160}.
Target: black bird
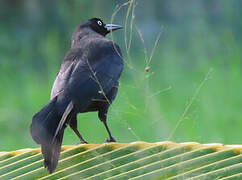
{"x": 88, "y": 80}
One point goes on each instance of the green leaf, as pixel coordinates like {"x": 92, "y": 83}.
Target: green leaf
{"x": 138, "y": 160}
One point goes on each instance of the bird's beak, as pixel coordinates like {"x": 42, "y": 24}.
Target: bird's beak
{"x": 112, "y": 27}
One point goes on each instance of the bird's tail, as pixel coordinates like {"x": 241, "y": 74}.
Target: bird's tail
{"x": 47, "y": 129}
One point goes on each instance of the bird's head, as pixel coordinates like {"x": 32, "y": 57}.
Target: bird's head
{"x": 93, "y": 25}
{"x": 100, "y": 27}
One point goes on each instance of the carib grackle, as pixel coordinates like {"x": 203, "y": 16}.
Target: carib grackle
{"x": 88, "y": 80}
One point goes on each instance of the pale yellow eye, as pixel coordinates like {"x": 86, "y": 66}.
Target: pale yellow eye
{"x": 99, "y": 23}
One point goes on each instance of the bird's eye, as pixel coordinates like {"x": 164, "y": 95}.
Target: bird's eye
{"x": 99, "y": 23}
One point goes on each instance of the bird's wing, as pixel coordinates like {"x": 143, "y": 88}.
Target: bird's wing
{"x": 106, "y": 64}
{"x": 95, "y": 75}
{"x": 65, "y": 72}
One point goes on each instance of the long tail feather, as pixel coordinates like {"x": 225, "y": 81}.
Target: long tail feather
{"x": 63, "y": 119}
{"x": 47, "y": 129}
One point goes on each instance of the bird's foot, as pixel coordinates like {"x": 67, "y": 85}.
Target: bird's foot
{"x": 111, "y": 139}
{"x": 82, "y": 142}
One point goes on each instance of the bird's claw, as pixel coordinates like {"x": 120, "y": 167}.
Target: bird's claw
{"x": 84, "y": 142}
{"x": 108, "y": 140}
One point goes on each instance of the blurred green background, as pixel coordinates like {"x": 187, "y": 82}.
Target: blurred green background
{"x": 192, "y": 91}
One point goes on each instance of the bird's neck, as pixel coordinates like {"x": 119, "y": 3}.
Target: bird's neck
{"x": 82, "y": 36}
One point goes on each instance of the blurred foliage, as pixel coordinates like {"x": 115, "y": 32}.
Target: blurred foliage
{"x": 176, "y": 100}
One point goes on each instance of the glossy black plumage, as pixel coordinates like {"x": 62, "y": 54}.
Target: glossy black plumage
{"x": 87, "y": 81}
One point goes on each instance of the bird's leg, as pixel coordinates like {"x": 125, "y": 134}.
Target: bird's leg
{"x": 111, "y": 138}
{"x": 80, "y": 136}
{"x": 103, "y": 117}
{"x": 73, "y": 125}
